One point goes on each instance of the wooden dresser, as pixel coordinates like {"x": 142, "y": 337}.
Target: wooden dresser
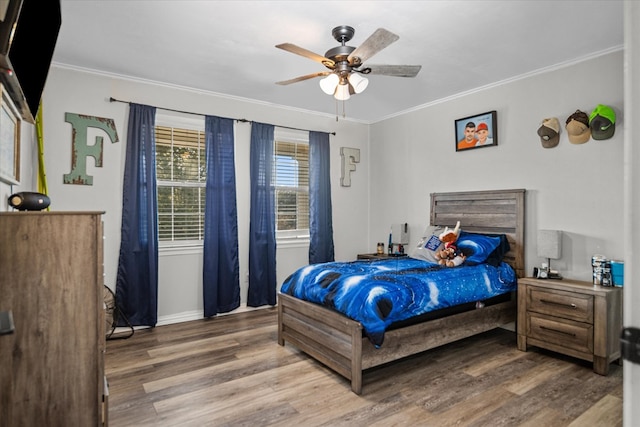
{"x": 572, "y": 317}
{"x": 51, "y": 279}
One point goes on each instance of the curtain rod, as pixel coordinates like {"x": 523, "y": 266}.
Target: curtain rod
{"x": 112, "y": 99}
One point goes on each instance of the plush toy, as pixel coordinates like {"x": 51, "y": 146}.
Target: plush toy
{"x": 448, "y": 236}
{"x": 450, "y": 256}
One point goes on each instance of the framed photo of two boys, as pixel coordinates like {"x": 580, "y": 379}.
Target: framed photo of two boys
{"x": 477, "y": 131}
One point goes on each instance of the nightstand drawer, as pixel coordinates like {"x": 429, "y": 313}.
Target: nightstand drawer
{"x": 568, "y": 305}
{"x": 561, "y": 332}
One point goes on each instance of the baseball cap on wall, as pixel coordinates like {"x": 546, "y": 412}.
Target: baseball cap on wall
{"x": 577, "y": 127}
{"x": 549, "y": 132}
{"x": 602, "y": 122}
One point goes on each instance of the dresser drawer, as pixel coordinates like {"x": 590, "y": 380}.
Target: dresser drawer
{"x": 567, "y": 305}
{"x": 562, "y": 332}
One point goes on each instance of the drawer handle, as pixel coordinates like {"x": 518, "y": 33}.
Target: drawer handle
{"x": 558, "y": 303}
{"x": 571, "y": 334}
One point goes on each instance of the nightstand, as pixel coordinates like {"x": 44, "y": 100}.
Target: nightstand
{"x": 571, "y": 317}
{"x": 380, "y": 256}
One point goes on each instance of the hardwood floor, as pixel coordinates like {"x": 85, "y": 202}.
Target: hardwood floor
{"x": 230, "y": 371}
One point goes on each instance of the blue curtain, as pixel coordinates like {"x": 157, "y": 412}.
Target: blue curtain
{"x": 221, "y": 275}
{"x": 320, "y": 219}
{"x": 262, "y": 228}
{"x": 137, "y": 279}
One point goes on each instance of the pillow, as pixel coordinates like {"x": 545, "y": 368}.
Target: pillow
{"x": 495, "y": 258}
{"x": 479, "y": 248}
{"x": 428, "y": 245}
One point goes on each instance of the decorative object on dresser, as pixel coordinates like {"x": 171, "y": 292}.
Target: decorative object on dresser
{"x": 338, "y": 342}
{"x": 617, "y": 272}
{"x": 52, "y": 370}
{"x": 601, "y": 270}
{"x": 29, "y": 201}
{"x": 572, "y": 317}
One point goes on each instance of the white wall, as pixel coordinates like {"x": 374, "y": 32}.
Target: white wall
{"x": 574, "y": 188}
{"x": 180, "y": 283}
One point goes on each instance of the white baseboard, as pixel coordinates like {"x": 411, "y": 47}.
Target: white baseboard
{"x": 179, "y": 317}
{"x": 188, "y": 316}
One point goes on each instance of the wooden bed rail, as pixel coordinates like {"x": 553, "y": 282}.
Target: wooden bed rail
{"x": 337, "y": 341}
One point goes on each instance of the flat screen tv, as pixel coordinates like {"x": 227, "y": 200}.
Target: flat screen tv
{"x": 28, "y": 35}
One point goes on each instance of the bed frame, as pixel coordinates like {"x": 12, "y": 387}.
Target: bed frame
{"x": 338, "y": 342}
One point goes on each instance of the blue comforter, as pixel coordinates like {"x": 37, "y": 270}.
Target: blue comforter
{"x": 380, "y": 292}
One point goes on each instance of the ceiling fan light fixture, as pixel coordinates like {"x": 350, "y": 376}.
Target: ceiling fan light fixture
{"x": 329, "y": 83}
{"x": 346, "y": 75}
{"x": 358, "y": 82}
{"x": 342, "y": 92}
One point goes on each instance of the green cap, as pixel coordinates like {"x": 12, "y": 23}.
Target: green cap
{"x": 603, "y": 122}
{"x": 603, "y": 111}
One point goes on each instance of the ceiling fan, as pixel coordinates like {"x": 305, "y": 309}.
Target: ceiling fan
{"x": 345, "y": 63}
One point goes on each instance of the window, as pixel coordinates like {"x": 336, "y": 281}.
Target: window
{"x": 181, "y": 180}
{"x": 291, "y": 160}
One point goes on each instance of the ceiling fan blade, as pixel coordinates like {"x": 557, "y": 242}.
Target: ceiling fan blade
{"x": 377, "y": 41}
{"x": 395, "y": 70}
{"x": 289, "y": 47}
{"x": 302, "y": 78}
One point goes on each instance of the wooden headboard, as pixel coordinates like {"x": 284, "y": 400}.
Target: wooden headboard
{"x": 498, "y": 211}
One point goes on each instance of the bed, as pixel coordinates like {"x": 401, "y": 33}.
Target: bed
{"x": 340, "y": 343}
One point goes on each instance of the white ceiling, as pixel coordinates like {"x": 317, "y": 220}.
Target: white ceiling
{"x": 228, "y": 47}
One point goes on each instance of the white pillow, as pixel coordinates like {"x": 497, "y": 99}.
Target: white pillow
{"x": 428, "y": 245}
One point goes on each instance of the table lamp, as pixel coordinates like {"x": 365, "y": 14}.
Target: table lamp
{"x": 549, "y": 245}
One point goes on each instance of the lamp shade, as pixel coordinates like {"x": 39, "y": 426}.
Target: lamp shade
{"x": 550, "y": 244}
{"x": 342, "y": 92}
{"x": 358, "y": 82}
{"x": 329, "y": 83}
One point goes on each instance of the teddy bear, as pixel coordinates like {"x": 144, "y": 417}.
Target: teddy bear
{"x": 450, "y": 256}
